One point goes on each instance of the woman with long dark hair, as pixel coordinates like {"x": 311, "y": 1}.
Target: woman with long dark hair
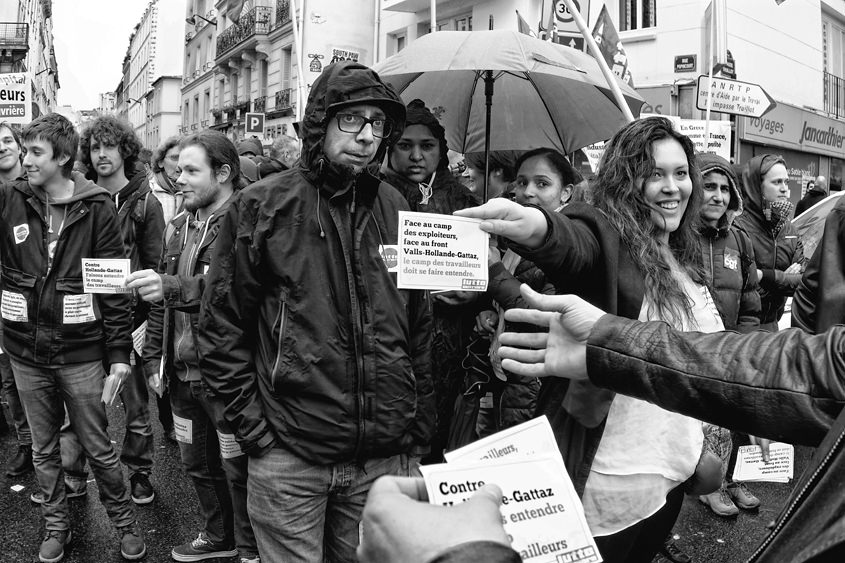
{"x": 635, "y": 253}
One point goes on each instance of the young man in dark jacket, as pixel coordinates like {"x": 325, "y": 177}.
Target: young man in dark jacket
{"x": 57, "y": 336}
{"x": 110, "y": 149}
{"x": 322, "y": 362}
{"x": 210, "y": 173}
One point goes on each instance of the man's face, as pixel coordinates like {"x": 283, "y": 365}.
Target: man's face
{"x": 353, "y": 149}
{"x": 105, "y": 158}
{"x": 10, "y": 151}
{"x": 40, "y": 164}
{"x": 197, "y": 180}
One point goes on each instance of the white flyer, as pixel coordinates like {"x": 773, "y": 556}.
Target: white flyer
{"x": 105, "y": 275}
{"x": 750, "y": 466}
{"x": 441, "y": 252}
{"x": 138, "y": 337}
{"x": 533, "y": 437}
{"x": 541, "y": 513}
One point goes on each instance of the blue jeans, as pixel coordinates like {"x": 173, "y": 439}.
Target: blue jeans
{"x": 10, "y": 390}
{"x": 223, "y": 511}
{"x": 45, "y": 394}
{"x": 302, "y": 512}
{"x": 137, "y": 451}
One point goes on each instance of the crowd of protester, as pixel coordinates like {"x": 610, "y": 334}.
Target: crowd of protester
{"x": 299, "y": 381}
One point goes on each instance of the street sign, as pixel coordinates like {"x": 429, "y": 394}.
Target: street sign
{"x": 254, "y": 123}
{"x": 685, "y": 63}
{"x": 565, "y": 21}
{"x": 734, "y": 97}
{"x": 576, "y": 41}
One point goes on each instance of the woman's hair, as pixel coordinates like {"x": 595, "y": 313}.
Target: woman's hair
{"x": 558, "y": 162}
{"x": 162, "y": 150}
{"x": 499, "y": 160}
{"x": 618, "y": 192}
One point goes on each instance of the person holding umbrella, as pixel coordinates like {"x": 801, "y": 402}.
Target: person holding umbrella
{"x": 636, "y": 253}
{"x": 418, "y": 166}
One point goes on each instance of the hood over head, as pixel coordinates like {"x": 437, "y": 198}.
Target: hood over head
{"x": 752, "y": 183}
{"x": 343, "y": 84}
{"x": 714, "y": 163}
{"x": 418, "y": 114}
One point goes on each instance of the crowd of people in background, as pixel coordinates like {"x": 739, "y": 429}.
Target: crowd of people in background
{"x": 292, "y": 371}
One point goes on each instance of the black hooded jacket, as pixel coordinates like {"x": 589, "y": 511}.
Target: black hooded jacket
{"x": 303, "y": 333}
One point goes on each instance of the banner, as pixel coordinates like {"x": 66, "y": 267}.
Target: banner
{"x": 611, "y": 48}
{"x": 15, "y": 105}
{"x": 523, "y": 26}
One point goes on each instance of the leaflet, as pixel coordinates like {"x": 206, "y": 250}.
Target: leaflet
{"x": 541, "y": 513}
{"x": 139, "y": 335}
{"x": 441, "y": 252}
{"x": 533, "y": 437}
{"x": 105, "y": 275}
{"x": 750, "y": 466}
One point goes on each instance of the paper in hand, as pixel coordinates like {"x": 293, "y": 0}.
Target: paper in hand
{"x": 111, "y": 388}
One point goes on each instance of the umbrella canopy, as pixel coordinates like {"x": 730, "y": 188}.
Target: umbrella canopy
{"x": 543, "y": 94}
{"x": 810, "y": 224}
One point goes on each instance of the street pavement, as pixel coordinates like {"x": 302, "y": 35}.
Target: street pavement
{"x": 172, "y": 518}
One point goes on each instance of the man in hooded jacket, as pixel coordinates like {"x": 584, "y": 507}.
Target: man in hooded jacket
{"x": 321, "y": 361}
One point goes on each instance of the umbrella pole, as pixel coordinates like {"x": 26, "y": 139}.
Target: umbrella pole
{"x": 605, "y": 70}
{"x": 488, "y": 100}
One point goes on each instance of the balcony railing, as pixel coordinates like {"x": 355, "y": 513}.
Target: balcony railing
{"x": 834, "y": 95}
{"x": 204, "y": 123}
{"x": 282, "y": 13}
{"x": 14, "y": 34}
{"x": 259, "y": 103}
{"x": 256, "y": 21}
{"x": 283, "y": 101}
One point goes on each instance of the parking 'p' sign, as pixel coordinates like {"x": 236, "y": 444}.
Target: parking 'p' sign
{"x": 254, "y": 123}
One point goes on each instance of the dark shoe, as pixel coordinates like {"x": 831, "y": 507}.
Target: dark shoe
{"x": 742, "y": 497}
{"x": 671, "y": 551}
{"x": 53, "y": 546}
{"x": 131, "y": 542}
{"x": 21, "y": 464}
{"x": 142, "y": 489}
{"x": 200, "y": 549}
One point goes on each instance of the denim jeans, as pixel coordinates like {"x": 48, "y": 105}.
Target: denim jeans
{"x": 45, "y": 394}
{"x": 137, "y": 451}
{"x": 224, "y": 512}
{"x": 10, "y": 390}
{"x": 302, "y": 512}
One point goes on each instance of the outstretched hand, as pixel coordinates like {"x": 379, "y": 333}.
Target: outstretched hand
{"x": 399, "y": 525}
{"x": 523, "y": 225}
{"x": 560, "y": 352}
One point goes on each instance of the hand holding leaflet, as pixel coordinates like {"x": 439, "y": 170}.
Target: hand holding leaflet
{"x": 114, "y": 381}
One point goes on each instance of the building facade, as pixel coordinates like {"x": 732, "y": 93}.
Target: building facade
{"x": 155, "y": 50}
{"x": 793, "y": 50}
{"x": 26, "y": 45}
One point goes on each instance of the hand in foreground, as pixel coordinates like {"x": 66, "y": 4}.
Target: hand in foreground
{"x": 764, "y": 446}
{"x": 793, "y": 269}
{"x": 524, "y": 225}
{"x": 155, "y": 380}
{"x": 486, "y": 322}
{"x": 118, "y": 372}
{"x": 561, "y": 352}
{"x": 456, "y": 297}
{"x": 399, "y": 525}
{"x": 147, "y": 283}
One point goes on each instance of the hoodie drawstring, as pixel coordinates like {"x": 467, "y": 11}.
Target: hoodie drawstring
{"x": 317, "y": 214}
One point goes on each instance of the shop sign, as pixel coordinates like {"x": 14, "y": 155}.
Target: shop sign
{"x": 796, "y": 128}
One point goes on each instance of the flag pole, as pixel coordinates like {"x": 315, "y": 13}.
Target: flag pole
{"x": 605, "y": 70}
{"x": 710, "y": 75}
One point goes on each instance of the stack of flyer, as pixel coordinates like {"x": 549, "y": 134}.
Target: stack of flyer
{"x": 541, "y": 513}
{"x": 750, "y": 465}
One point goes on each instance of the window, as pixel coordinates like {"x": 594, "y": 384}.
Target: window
{"x": 286, "y": 70}
{"x": 206, "y": 103}
{"x": 637, "y": 14}
{"x": 186, "y": 113}
{"x": 400, "y": 43}
{"x": 247, "y": 83}
{"x": 463, "y": 23}
{"x": 196, "y": 109}
{"x": 262, "y": 77}
{"x": 234, "y": 88}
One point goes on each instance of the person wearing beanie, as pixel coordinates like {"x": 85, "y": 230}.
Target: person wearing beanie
{"x": 321, "y": 361}
{"x": 418, "y": 166}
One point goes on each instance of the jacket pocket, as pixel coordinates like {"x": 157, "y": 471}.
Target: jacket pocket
{"x": 279, "y": 326}
{"x": 18, "y": 301}
{"x": 79, "y": 312}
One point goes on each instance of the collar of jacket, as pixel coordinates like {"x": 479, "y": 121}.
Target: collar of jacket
{"x": 713, "y": 232}
{"x": 336, "y": 181}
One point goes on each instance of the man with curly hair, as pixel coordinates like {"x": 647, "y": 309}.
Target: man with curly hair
{"x": 110, "y": 148}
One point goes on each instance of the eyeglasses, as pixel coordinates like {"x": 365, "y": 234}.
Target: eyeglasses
{"x": 353, "y": 123}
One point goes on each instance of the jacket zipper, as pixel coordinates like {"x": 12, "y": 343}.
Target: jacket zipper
{"x": 798, "y": 499}
{"x": 712, "y": 265}
{"x": 280, "y": 320}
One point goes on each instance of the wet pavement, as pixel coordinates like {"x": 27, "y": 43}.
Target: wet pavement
{"x": 172, "y": 518}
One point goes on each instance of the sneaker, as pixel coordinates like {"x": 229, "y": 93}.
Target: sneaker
{"x": 672, "y": 552}
{"x": 53, "y": 546}
{"x": 22, "y": 462}
{"x": 720, "y": 502}
{"x": 742, "y": 496}
{"x": 142, "y": 489}
{"x": 255, "y": 559}
{"x": 200, "y": 549}
{"x": 131, "y": 543}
